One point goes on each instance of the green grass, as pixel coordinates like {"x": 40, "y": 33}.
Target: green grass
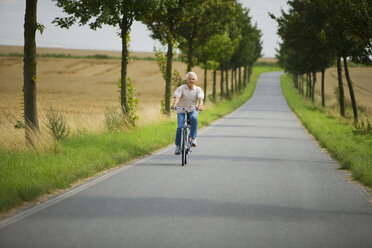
{"x": 354, "y": 152}
{"x": 26, "y": 176}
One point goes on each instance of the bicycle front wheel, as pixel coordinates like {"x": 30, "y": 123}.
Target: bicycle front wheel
{"x": 184, "y": 146}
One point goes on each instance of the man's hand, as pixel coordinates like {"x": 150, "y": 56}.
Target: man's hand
{"x": 200, "y": 108}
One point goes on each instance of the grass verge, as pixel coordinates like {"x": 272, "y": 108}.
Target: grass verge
{"x": 354, "y": 152}
{"x": 28, "y": 175}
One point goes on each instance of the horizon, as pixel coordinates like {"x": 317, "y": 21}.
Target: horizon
{"x": 3, "y": 48}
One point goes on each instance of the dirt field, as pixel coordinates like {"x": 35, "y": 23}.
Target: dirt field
{"x": 362, "y": 82}
{"x": 81, "y": 89}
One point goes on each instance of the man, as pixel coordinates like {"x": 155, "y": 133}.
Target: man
{"x": 188, "y": 95}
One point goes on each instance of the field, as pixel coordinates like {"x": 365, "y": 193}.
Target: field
{"x": 361, "y": 77}
{"x": 83, "y": 88}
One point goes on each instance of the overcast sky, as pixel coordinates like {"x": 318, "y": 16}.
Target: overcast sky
{"x": 12, "y": 20}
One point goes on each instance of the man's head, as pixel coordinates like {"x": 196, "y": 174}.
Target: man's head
{"x": 191, "y": 79}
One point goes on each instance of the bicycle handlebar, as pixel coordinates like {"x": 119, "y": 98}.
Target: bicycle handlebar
{"x": 185, "y": 109}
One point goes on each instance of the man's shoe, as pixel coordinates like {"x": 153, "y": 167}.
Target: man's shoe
{"x": 177, "y": 151}
{"x": 193, "y": 142}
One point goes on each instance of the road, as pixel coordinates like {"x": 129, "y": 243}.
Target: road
{"x": 256, "y": 179}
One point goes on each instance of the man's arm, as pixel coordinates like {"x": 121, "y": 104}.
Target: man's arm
{"x": 200, "y": 104}
{"x": 175, "y": 101}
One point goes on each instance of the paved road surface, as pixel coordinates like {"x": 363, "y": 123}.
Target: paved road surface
{"x": 257, "y": 179}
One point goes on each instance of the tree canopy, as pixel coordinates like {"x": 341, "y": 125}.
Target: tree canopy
{"x": 315, "y": 33}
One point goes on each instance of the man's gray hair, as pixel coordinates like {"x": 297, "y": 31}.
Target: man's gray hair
{"x": 191, "y": 73}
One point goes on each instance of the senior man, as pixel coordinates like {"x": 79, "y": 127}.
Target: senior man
{"x": 188, "y": 95}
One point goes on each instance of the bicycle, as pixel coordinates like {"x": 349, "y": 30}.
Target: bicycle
{"x": 185, "y": 133}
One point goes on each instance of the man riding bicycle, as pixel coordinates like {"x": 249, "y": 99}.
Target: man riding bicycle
{"x": 188, "y": 95}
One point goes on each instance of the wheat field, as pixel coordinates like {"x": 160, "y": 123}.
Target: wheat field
{"x": 362, "y": 85}
{"x": 81, "y": 89}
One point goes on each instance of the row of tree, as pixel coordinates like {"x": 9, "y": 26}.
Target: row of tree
{"x": 316, "y": 33}
{"x": 213, "y": 34}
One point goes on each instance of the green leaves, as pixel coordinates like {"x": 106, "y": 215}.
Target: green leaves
{"x": 129, "y": 116}
{"x": 40, "y": 27}
{"x": 317, "y": 31}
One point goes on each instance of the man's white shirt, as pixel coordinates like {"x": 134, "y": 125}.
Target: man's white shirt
{"x": 188, "y": 98}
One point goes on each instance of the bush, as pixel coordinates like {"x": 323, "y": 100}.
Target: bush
{"x": 114, "y": 119}
{"x": 57, "y": 124}
{"x": 131, "y": 116}
{"x": 362, "y": 128}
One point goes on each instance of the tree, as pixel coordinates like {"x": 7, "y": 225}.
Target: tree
{"x": 203, "y": 19}
{"x": 302, "y": 31}
{"x": 316, "y": 32}
{"x": 29, "y": 71}
{"x": 350, "y": 29}
{"x": 209, "y": 56}
{"x": 245, "y": 48}
{"x": 117, "y": 13}
{"x": 254, "y": 51}
{"x": 223, "y": 48}
{"x": 163, "y": 22}
{"x": 204, "y": 56}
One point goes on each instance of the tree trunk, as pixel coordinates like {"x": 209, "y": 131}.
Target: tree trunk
{"x": 168, "y": 78}
{"x": 313, "y": 87}
{"x": 307, "y": 85}
{"x": 29, "y": 72}
{"x": 249, "y": 72}
{"x": 205, "y": 83}
{"x": 351, "y": 90}
{"x": 310, "y": 84}
{"x": 340, "y": 88}
{"x": 221, "y": 90}
{"x": 232, "y": 81}
{"x": 214, "y": 85}
{"x": 235, "y": 90}
{"x": 245, "y": 77}
{"x": 323, "y": 99}
{"x": 124, "y": 65}
{"x": 123, "y": 79}
{"x": 240, "y": 79}
{"x": 303, "y": 85}
{"x": 302, "y": 89}
{"x": 227, "y": 83}
{"x": 295, "y": 80}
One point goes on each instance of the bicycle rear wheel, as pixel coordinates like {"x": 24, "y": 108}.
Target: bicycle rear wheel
{"x": 184, "y": 146}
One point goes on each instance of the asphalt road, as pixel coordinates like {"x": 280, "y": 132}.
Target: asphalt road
{"x": 256, "y": 179}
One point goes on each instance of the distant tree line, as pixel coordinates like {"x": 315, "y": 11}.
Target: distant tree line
{"x": 316, "y": 33}
{"x": 214, "y": 34}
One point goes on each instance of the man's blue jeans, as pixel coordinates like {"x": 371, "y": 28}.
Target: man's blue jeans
{"x": 193, "y": 117}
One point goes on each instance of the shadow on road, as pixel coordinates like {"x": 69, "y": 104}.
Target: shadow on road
{"x": 161, "y": 207}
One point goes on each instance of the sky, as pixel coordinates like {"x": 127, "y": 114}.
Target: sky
{"x": 81, "y": 37}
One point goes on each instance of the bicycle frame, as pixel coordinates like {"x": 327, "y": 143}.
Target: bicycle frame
{"x": 185, "y": 133}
